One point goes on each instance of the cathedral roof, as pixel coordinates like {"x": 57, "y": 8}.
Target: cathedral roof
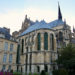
{"x": 43, "y": 25}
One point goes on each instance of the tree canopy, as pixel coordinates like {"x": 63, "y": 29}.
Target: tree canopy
{"x": 67, "y": 57}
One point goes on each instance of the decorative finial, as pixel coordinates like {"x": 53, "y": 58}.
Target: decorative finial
{"x": 26, "y": 16}
{"x": 64, "y": 21}
{"x": 29, "y": 18}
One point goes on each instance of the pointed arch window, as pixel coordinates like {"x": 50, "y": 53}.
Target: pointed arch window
{"x": 22, "y": 46}
{"x": 51, "y": 41}
{"x": 38, "y": 69}
{"x": 60, "y": 36}
{"x": 26, "y": 67}
{"x": 46, "y": 68}
{"x": 46, "y": 41}
{"x": 38, "y": 41}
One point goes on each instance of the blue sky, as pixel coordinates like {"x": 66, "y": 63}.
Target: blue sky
{"x": 12, "y": 12}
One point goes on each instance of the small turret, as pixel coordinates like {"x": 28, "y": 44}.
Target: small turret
{"x": 64, "y": 21}
{"x": 25, "y": 16}
{"x": 65, "y": 26}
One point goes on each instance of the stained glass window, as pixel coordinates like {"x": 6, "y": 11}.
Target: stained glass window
{"x": 51, "y": 42}
{"x": 46, "y": 41}
{"x": 46, "y": 68}
{"x": 22, "y": 45}
{"x": 38, "y": 69}
{"x": 60, "y": 36}
{"x": 38, "y": 41}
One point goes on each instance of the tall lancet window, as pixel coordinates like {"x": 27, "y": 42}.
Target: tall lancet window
{"x": 60, "y": 36}
{"x": 38, "y": 42}
{"x": 46, "y": 41}
{"x": 22, "y": 46}
{"x": 51, "y": 42}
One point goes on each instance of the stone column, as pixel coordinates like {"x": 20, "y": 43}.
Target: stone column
{"x": 33, "y": 61}
{"x": 55, "y": 46}
{"x": 20, "y": 45}
{"x": 28, "y": 60}
{"x": 42, "y": 41}
{"x": 41, "y": 68}
{"x": 24, "y": 46}
{"x": 50, "y": 70}
{"x": 33, "y": 68}
{"x": 34, "y": 48}
{"x": 24, "y": 64}
{"x": 35, "y": 43}
{"x": 23, "y": 68}
{"x": 7, "y": 61}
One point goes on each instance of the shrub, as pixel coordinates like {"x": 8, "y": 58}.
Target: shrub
{"x": 11, "y": 71}
{"x": 30, "y": 74}
{"x": 16, "y": 73}
{"x": 43, "y": 72}
{"x": 63, "y": 72}
{"x": 35, "y": 74}
{"x": 47, "y": 73}
{"x": 55, "y": 72}
{"x": 60, "y": 72}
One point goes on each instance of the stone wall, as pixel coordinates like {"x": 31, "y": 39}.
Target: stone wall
{"x": 39, "y": 58}
{"x": 8, "y": 52}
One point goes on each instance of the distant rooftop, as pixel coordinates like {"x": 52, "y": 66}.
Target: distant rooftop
{"x": 6, "y": 32}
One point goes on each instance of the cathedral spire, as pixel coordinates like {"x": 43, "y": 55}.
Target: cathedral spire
{"x": 59, "y": 13}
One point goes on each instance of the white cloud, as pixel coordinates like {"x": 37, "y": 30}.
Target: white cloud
{"x": 13, "y": 19}
{"x": 39, "y": 14}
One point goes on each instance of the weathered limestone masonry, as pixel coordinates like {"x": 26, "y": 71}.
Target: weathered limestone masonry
{"x": 7, "y": 63}
{"x": 40, "y": 42}
{"x": 41, "y": 59}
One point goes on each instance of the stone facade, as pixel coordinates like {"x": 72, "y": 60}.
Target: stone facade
{"x": 34, "y": 60}
{"x": 7, "y": 61}
{"x": 73, "y": 37}
{"x": 63, "y": 35}
{"x": 39, "y": 44}
{"x": 37, "y": 51}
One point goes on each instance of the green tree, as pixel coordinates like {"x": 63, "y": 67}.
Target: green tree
{"x": 67, "y": 58}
